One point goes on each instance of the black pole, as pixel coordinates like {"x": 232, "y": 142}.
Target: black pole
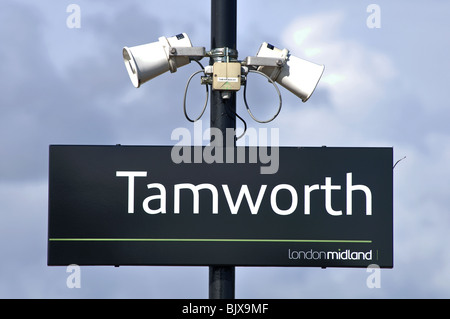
{"x": 223, "y": 116}
{"x": 223, "y": 35}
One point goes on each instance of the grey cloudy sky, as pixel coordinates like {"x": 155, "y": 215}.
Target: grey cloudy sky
{"x": 382, "y": 87}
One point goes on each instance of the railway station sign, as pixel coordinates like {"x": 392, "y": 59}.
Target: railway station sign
{"x": 142, "y": 205}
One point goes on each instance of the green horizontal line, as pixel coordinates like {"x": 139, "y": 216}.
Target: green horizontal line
{"x": 217, "y": 240}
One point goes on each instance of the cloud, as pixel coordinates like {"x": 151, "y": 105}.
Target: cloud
{"x": 38, "y": 105}
{"x": 354, "y": 75}
{"x": 348, "y": 101}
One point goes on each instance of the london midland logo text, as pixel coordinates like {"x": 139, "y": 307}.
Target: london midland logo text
{"x": 346, "y": 254}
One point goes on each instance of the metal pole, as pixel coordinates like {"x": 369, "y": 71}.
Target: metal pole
{"x": 223, "y": 116}
{"x": 223, "y": 35}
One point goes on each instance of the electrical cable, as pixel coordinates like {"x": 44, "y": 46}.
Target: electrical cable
{"x": 185, "y": 94}
{"x": 245, "y": 126}
{"x": 206, "y": 102}
{"x": 245, "y": 100}
{"x": 243, "y": 121}
{"x": 279, "y": 95}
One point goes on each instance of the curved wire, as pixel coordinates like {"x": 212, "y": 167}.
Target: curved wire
{"x": 279, "y": 95}
{"x": 245, "y": 127}
{"x": 243, "y": 121}
{"x": 185, "y": 94}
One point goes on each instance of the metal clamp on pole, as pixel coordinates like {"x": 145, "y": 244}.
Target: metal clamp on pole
{"x": 223, "y": 54}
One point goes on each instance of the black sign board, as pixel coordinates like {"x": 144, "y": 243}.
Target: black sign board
{"x": 156, "y": 205}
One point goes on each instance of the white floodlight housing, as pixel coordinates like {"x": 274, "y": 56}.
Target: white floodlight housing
{"x": 296, "y": 75}
{"x": 147, "y": 61}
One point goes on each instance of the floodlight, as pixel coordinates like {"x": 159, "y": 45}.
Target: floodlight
{"x": 147, "y": 61}
{"x": 294, "y": 74}
{"x": 226, "y": 74}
